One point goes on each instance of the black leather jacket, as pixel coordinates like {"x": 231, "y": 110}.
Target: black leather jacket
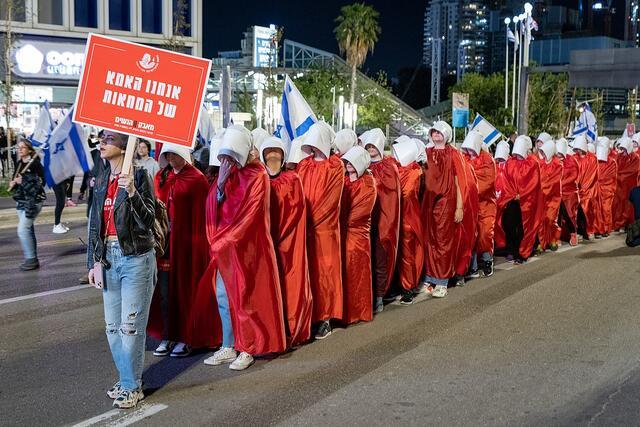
{"x": 133, "y": 216}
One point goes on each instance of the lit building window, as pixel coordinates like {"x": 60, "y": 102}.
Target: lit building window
{"x": 86, "y": 13}
{"x": 50, "y": 12}
{"x": 120, "y": 15}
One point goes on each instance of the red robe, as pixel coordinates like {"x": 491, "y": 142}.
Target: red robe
{"x": 288, "y": 231}
{"x": 411, "y": 249}
{"x": 184, "y": 195}
{"x": 385, "y": 222}
{"x": 608, "y": 173}
{"x": 570, "y": 198}
{"x": 628, "y": 168}
{"x": 242, "y": 251}
{"x": 502, "y": 190}
{"x": 485, "y": 168}
{"x": 322, "y": 183}
{"x": 467, "y": 241}
{"x": 522, "y": 177}
{"x": 551, "y": 185}
{"x": 588, "y": 188}
{"x": 442, "y": 234}
{"x": 358, "y": 199}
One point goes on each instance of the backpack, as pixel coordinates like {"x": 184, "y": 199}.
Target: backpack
{"x": 160, "y": 228}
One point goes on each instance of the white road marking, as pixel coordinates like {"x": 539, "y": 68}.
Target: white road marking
{"x": 43, "y": 294}
{"x": 126, "y": 418}
{"x": 99, "y": 418}
{"x": 139, "y": 414}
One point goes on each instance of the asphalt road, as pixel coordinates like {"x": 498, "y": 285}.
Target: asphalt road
{"x": 552, "y": 342}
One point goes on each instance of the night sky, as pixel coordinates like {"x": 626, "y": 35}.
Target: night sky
{"x": 312, "y": 22}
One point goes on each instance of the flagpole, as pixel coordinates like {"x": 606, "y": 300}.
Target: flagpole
{"x": 515, "y": 56}
{"x": 507, "y": 21}
{"x": 520, "y": 34}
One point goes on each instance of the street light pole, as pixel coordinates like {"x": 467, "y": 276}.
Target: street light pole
{"x": 520, "y": 33}
{"x": 507, "y": 21}
{"x": 523, "y": 107}
{"x": 515, "y": 57}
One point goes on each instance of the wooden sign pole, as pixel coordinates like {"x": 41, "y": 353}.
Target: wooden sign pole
{"x": 128, "y": 155}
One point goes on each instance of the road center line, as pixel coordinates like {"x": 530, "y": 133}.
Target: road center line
{"x": 43, "y": 294}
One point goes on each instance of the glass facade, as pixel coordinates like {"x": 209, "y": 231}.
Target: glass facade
{"x": 151, "y": 13}
{"x": 182, "y": 17}
{"x": 18, "y": 12}
{"x": 86, "y": 13}
{"x": 120, "y": 15}
{"x": 50, "y": 12}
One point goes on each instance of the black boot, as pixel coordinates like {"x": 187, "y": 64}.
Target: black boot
{"x": 30, "y": 264}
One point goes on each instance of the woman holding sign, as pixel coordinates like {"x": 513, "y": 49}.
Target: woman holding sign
{"x": 122, "y": 262}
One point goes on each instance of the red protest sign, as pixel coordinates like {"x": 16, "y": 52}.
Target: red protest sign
{"x": 140, "y": 90}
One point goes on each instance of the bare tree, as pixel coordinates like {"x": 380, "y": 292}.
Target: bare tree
{"x": 180, "y": 26}
{"x": 11, "y": 9}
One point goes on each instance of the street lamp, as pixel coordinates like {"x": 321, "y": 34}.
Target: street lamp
{"x": 528, "y": 8}
{"x": 507, "y": 21}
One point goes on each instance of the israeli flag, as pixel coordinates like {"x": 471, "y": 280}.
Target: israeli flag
{"x": 490, "y": 135}
{"x": 296, "y": 117}
{"x": 66, "y": 152}
{"x": 44, "y": 127}
{"x": 206, "y": 130}
{"x": 586, "y": 125}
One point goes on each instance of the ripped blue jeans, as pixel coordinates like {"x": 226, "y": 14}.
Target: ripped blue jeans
{"x": 127, "y": 296}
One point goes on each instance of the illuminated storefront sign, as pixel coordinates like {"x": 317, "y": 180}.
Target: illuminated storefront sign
{"x": 48, "y": 59}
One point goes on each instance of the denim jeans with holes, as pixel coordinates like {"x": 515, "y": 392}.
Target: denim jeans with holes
{"x": 127, "y": 296}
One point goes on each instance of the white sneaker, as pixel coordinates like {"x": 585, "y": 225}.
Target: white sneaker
{"x": 223, "y": 355}
{"x": 60, "y": 229}
{"x": 242, "y": 362}
{"x": 440, "y": 291}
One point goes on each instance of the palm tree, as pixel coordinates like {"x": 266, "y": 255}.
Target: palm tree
{"x": 357, "y": 33}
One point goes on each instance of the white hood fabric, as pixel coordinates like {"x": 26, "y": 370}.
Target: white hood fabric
{"x": 183, "y": 152}
{"x": 444, "y": 128}
{"x": 296, "y": 155}
{"x": 635, "y": 137}
{"x": 544, "y": 137}
{"x": 602, "y": 152}
{"x": 259, "y": 135}
{"x": 405, "y": 150}
{"x": 236, "y": 143}
{"x": 272, "y": 142}
{"x": 473, "y": 141}
{"x": 580, "y": 143}
{"x": 561, "y": 146}
{"x": 502, "y": 150}
{"x": 422, "y": 150}
{"x": 603, "y": 140}
{"x": 344, "y": 140}
{"x": 374, "y": 137}
{"x": 626, "y": 144}
{"x": 549, "y": 149}
{"x": 591, "y": 147}
{"x": 320, "y": 135}
{"x": 359, "y": 159}
{"x": 521, "y": 146}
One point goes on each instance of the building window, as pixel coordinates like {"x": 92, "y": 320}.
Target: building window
{"x": 18, "y": 11}
{"x": 151, "y": 12}
{"x": 182, "y": 18}
{"x": 120, "y": 15}
{"x": 50, "y": 12}
{"x": 86, "y": 13}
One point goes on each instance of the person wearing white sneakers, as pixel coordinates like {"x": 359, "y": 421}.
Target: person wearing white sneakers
{"x": 243, "y": 257}
{"x": 443, "y": 210}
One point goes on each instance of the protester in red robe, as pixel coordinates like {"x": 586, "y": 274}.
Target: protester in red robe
{"x": 410, "y": 261}
{"x": 358, "y": 199}
{"x": 484, "y": 166}
{"x": 322, "y": 180}
{"x": 501, "y": 156}
{"x": 568, "y": 216}
{"x": 628, "y": 174}
{"x": 385, "y": 230}
{"x": 587, "y": 187}
{"x": 289, "y": 234}
{"x": 443, "y": 208}
{"x": 608, "y": 173}
{"x": 551, "y": 185}
{"x": 183, "y": 189}
{"x": 243, "y": 260}
{"x": 521, "y": 201}
{"x": 469, "y": 232}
